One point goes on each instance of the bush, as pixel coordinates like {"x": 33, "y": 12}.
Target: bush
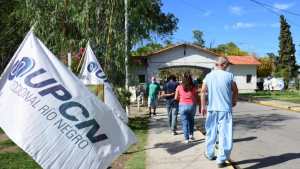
{"x": 123, "y": 96}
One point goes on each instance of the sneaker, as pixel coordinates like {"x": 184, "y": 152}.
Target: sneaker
{"x": 186, "y": 141}
{"x": 192, "y": 137}
{"x": 210, "y": 158}
{"x": 174, "y": 133}
{"x": 222, "y": 165}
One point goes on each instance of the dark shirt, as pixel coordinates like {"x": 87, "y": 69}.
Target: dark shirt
{"x": 170, "y": 87}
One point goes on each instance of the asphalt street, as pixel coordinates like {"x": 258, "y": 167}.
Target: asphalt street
{"x": 266, "y": 137}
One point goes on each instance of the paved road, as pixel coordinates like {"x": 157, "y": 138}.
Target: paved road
{"x": 165, "y": 151}
{"x": 265, "y": 137}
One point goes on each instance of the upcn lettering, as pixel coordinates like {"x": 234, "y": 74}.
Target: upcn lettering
{"x": 59, "y": 92}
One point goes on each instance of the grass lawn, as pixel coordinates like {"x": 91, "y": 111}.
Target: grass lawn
{"x": 291, "y": 96}
{"x": 137, "y": 154}
{"x": 7, "y": 143}
{"x": 134, "y": 158}
{"x": 12, "y": 157}
{"x": 17, "y": 160}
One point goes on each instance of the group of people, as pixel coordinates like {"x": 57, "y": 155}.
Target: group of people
{"x": 218, "y": 95}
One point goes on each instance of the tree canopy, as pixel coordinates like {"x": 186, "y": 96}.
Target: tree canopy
{"x": 66, "y": 25}
{"x": 287, "y": 59}
{"x": 266, "y": 67}
{"x": 146, "y": 49}
{"x": 198, "y": 36}
{"x": 229, "y": 49}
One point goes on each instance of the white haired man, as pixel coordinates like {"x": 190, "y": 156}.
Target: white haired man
{"x": 222, "y": 96}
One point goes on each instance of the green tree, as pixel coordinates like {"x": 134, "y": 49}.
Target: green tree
{"x": 229, "y": 49}
{"x": 148, "y": 48}
{"x": 275, "y": 61}
{"x": 198, "y": 36}
{"x": 66, "y": 25}
{"x": 266, "y": 67}
{"x": 11, "y": 30}
{"x": 287, "y": 59}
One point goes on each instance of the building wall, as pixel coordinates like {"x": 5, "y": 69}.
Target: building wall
{"x": 177, "y": 57}
{"x": 240, "y": 75}
{"x": 194, "y": 57}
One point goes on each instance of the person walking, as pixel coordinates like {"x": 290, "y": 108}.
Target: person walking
{"x": 186, "y": 93}
{"x": 153, "y": 90}
{"x": 171, "y": 104}
{"x": 222, "y": 96}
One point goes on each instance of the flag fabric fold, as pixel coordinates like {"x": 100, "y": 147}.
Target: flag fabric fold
{"x": 50, "y": 114}
{"x": 91, "y": 73}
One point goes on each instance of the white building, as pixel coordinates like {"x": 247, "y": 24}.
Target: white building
{"x": 243, "y": 67}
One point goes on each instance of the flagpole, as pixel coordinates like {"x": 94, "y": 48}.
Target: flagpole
{"x": 82, "y": 56}
{"x": 33, "y": 26}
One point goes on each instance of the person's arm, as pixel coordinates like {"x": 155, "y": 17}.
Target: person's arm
{"x": 235, "y": 93}
{"x": 158, "y": 91}
{"x": 203, "y": 99}
{"x": 164, "y": 94}
{"x": 177, "y": 94}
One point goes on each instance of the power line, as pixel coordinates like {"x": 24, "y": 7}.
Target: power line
{"x": 196, "y": 9}
{"x": 262, "y": 5}
{"x": 273, "y": 10}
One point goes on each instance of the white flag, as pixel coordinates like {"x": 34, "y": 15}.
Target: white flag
{"x": 91, "y": 73}
{"x": 51, "y": 115}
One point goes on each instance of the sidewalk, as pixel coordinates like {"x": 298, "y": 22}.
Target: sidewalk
{"x": 275, "y": 103}
{"x": 165, "y": 151}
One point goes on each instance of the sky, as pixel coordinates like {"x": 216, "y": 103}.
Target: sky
{"x": 252, "y": 27}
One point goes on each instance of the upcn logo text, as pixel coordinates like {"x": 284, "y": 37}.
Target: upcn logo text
{"x": 94, "y": 68}
{"x": 50, "y": 87}
{"x": 21, "y": 67}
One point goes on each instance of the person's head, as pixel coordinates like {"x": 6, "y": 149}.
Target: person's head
{"x": 222, "y": 63}
{"x": 172, "y": 77}
{"x": 153, "y": 79}
{"x": 187, "y": 81}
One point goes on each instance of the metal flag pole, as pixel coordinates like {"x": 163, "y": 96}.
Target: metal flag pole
{"x": 82, "y": 57}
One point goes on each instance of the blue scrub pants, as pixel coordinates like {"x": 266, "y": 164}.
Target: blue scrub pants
{"x": 219, "y": 125}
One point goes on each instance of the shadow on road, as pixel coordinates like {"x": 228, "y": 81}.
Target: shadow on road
{"x": 244, "y": 139}
{"x": 269, "y": 161}
{"x": 250, "y": 121}
{"x": 177, "y": 146}
{"x": 172, "y": 148}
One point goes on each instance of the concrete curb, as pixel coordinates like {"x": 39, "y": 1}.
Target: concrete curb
{"x": 272, "y": 104}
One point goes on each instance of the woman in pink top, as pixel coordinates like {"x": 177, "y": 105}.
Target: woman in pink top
{"x": 186, "y": 94}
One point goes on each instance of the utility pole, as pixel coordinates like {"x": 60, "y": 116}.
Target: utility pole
{"x": 126, "y": 51}
{"x": 126, "y": 45}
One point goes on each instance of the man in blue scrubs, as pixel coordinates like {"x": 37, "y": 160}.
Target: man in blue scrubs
{"x": 222, "y": 96}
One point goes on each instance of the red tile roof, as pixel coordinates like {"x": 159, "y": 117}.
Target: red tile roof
{"x": 243, "y": 60}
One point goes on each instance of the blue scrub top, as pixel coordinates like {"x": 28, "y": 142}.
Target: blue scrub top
{"x": 219, "y": 85}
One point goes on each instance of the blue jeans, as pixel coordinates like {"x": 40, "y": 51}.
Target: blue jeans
{"x": 219, "y": 125}
{"x": 172, "y": 109}
{"x": 187, "y": 113}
